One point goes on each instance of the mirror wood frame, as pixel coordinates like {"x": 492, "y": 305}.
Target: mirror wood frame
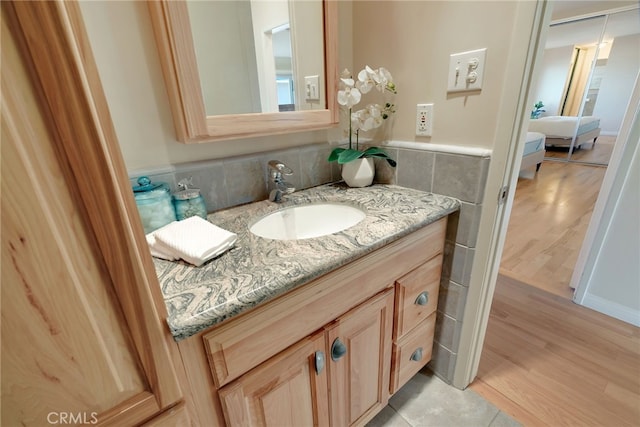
{"x": 178, "y": 61}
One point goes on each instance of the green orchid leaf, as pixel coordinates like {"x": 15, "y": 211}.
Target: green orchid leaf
{"x": 379, "y": 153}
{"x": 349, "y": 155}
{"x": 334, "y": 154}
{"x": 375, "y": 151}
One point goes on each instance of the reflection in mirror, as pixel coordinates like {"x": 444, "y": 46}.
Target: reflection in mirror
{"x": 589, "y": 68}
{"x": 245, "y": 53}
{"x": 227, "y": 76}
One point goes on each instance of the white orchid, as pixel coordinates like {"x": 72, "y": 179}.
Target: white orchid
{"x": 368, "y": 118}
{"x": 381, "y": 79}
{"x": 350, "y": 95}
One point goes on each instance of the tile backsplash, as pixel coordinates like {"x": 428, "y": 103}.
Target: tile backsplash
{"x": 238, "y": 180}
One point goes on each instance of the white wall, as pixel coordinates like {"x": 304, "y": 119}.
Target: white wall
{"x": 413, "y": 40}
{"x": 611, "y": 279}
{"x": 618, "y": 78}
{"x": 552, "y": 79}
{"x": 227, "y": 63}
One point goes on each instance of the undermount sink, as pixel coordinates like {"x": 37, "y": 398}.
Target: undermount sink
{"x": 307, "y": 221}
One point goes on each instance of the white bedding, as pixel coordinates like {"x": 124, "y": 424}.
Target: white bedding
{"x": 534, "y": 142}
{"x": 559, "y": 126}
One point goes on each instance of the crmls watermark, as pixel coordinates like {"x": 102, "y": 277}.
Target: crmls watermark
{"x": 64, "y": 417}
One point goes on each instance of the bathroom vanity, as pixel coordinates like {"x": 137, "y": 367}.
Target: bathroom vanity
{"x": 315, "y": 331}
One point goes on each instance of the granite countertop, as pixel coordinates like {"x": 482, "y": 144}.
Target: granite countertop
{"x": 256, "y": 269}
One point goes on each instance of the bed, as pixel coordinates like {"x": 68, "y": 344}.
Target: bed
{"x": 533, "y": 154}
{"x": 559, "y": 130}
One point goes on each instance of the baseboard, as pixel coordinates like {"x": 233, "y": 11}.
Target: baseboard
{"x": 612, "y": 309}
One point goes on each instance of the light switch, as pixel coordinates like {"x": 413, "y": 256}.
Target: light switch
{"x": 466, "y": 70}
{"x": 311, "y": 87}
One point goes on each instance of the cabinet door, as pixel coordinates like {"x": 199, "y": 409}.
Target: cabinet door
{"x": 69, "y": 354}
{"x": 288, "y": 390}
{"x": 360, "y": 353}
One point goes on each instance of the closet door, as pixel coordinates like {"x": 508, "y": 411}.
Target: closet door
{"x": 72, "y": 353}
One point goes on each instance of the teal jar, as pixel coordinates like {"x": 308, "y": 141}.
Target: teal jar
{"x": 153, "y": 200}
{"x": 188, "y": 202}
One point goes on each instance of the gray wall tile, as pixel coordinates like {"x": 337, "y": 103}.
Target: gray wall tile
{"x": 445, "y": 330}
{"x": 244, "y": 179}
{"x": 468, "y": 224}
{"x": 211, "y": 182}
{"x": 442, "y": 362}
{"x": 415, "y": 169}
{"x": 452, "y": 299}
{"x": 314, "y": 168}
{"x": 460, "y": 176}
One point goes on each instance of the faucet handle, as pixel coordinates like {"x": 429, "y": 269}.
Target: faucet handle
{"x": 279, "y": 168}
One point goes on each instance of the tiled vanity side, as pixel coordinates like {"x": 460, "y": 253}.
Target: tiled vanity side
{"x": 463, "y": 177}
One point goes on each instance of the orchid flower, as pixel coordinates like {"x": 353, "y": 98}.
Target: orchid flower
{"x": 350, "y": 95}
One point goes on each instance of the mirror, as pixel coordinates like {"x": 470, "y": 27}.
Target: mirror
{"x": 589, "y": 68}
{"x": 232, "y": 68}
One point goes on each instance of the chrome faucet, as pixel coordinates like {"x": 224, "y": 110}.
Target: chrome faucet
{"x": 278, "y": 186}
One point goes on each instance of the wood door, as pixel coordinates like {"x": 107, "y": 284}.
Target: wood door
{"x": 73, "y": 352}
{"x": 359, "y": 379}
{"x": 288, "y": 390}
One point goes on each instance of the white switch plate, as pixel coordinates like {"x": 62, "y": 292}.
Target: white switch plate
{"x": 311, "y": 87}
{"x": 424, "y": 119}
{"x": 466, "y": 70}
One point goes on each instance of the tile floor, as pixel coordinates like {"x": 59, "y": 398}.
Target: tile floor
{"x": 426, "y": 400}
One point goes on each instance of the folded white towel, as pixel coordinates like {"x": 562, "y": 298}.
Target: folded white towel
{"x": 156, "y": 250}
{"x": 194, "y": 239}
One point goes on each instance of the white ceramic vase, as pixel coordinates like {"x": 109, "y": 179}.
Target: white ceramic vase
{"x": 359, "y": 172}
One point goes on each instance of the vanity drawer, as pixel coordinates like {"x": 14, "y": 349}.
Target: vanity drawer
{"x": 411, "y": 353}
{"x": 416, "y": 296}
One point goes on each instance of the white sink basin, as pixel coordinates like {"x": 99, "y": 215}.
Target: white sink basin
{"x": 307, "y": 221}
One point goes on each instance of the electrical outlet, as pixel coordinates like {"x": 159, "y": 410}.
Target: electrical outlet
{"x": 424, "y": 119}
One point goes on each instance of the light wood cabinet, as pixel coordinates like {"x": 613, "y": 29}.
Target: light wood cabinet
{"x": 291, "y": 389}
{"x": 415, "y": 319}
{"x": 359, "y": 377}
{"x": 259, "y": 368}
{"x": 351, "y": 357}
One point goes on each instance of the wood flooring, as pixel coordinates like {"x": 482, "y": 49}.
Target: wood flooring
{"x": 548, "y": 223}
{"x": 600, "y": 152}
{"x": 549, "y": 362}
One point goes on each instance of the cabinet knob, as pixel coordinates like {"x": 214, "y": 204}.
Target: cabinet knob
{"x": 417, "y": 355}
{"x": 338, "y": 349}
{"x": 423, "y": 298}
{"x": 319, "y": 356}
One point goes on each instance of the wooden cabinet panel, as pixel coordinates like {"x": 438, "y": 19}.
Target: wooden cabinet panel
{"x": 360, "y": 377}
{"x": 238, "y": 345}
{"x": 412, "y": 352}
{"x": 287, "y": 390}
{"x": 417, "y": 295}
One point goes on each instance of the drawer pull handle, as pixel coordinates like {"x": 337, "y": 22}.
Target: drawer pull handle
{"x": 338, "y": 349}
{"x": 417, "y": 355}
{"x": 423, "y": 298}
{"x": 319, "y": 361}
